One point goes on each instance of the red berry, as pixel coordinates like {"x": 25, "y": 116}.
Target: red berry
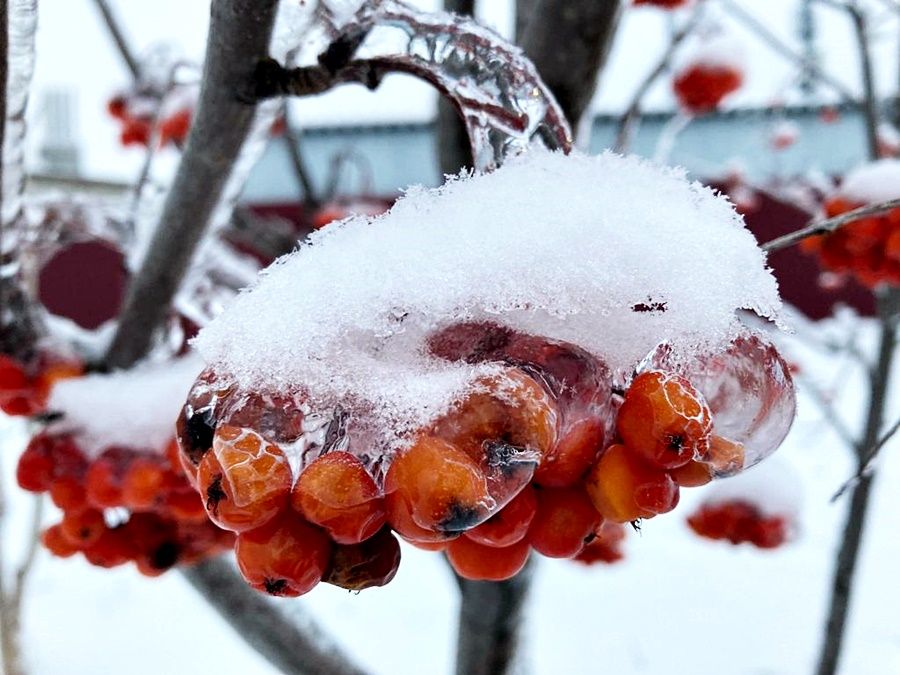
{"x": 510, "y": 524}
{"x": 286, "y": 557}
{"x": 57, "y": 543}
{"x": 564, "y": 522}
{"x": 336, "y": 493}
{"x": 665, "y": 420}
{"x": 372, "y": 563}
{"x": 474, "y": 561}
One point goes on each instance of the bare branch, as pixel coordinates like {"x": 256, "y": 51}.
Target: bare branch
{"x": 842, "y": 584}
{"x": 569, "y": 45}
{"x": 239, "y": 36}
{"x": 490, "y": 615}
{"x": 632, "y": 113}
{"x": 292, "y": 140}
{"x": 870, "y": 101}
{"x": 868, "y": 458}
{"x": 829, "y": 413}
{"x": 829, "y": 225}
{"x": 784, "y": 49}
{"x": 266, "y": 626}
{"x": 115, "y": 32}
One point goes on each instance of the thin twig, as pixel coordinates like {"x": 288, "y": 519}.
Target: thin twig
{"x": 292, "y": 140}
{"x": 632, "y": 113}
{"x": 870, "y": 101}
{"x": 767, "y": 36}
{"x": 118, "y": 36}
{"x": 845, "y": 568}
{"x": 27, "y": 564}
{"x": 829, "y": 225}
{"x": 830, "y": 413}
{"x": 868, "y": 458}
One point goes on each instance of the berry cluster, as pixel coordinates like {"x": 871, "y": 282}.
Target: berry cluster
{"x": 868, "y": 248}
{"x": 136, "y": 115}
{"x": 541, "y": 455}
{"x": 700, "y": 87}
{"x": 124, "y": 505}
{"x": 739, "y": 521}
{"x": 24, "y": 389}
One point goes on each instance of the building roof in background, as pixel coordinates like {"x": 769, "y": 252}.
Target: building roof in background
{"x": 75, "y": 52}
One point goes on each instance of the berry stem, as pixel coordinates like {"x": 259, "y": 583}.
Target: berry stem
{"x": 845, "y": 568}
{"x": 266, "y": 626}
{"x": 118, "y": 37}
{"x": 490, "y": 616}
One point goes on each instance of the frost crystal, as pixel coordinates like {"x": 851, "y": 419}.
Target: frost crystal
{"x": 872, "y": 183}
{"x": 611, "y": 253}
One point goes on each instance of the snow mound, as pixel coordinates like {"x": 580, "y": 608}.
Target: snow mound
{"x": 721, "y": 50}
{"x": 872, "y": 183}
{"x": 135, "y": 408}
{"x": 612, "y": 253}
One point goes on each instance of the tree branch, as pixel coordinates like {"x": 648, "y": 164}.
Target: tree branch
{"x": 454, "y": 150}
{"x": 568, "y": 44}
{"x": 870, "y": 455}
{"x": 779, "y": 46}
{"x": 490, "y": 616}
{"x": 265, "y": 626}
{"x": 829, "y": 225}
{"x": 632, "y": 113}
{"x": 888, "y": 306}
{"x": 239, "y": 35}
{"x": 870, "y": 102}
{"x": 115, "y": 32}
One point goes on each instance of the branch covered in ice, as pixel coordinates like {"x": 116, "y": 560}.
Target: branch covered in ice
{"x": 505, "y": 105}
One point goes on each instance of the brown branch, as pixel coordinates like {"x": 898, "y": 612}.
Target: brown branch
{"x": 842, "y": 584}
{"x": 118, "y": 37}
{"x": 829, "y": 225}
{"x": 868, "y": 458}
{"x": 870, "y": 101}
{"x": 568, "y": 42}
{"x": 239, "y": 36}
{"x": 782, "y": 48}
{"x": 301, "y": 173}
{"x": 632, "y": 113}
{"x": 266, "y": 626}
{"x": 490, "y": 616}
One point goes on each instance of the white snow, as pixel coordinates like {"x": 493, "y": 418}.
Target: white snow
{"x": 719, "y": 50}
{"x": 555, "y": 245}
{"x": 135, "y": 408}
{"x": 872, "y": 183}
{"x": 773, "y": 486}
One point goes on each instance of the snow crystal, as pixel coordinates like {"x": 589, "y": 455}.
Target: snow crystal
{"x": 135, "y": 408}
{"x": 612, "y": 253}
{"x": 773, "y": 486}
{"x": 872, "y": 183}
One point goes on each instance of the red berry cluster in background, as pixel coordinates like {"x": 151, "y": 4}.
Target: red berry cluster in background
{"x": 868, "y": 248}
{"x": 739, "y": 521}
{"x": 701, "y": 87}
{"x": 662, "y": 4}
{"x": 136, "y": 115}
{"x": 125, "y": 505}
{"x": 24, "y": 389}
{"x": 340, "y": 209}
{"x": 540, "y": 455}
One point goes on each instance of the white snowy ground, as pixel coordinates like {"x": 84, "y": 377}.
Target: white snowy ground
{"x": 677, "y": 604}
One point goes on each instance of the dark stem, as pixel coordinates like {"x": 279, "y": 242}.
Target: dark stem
{"x": 267, "y": 627}
{"x": 490, "y": 616}
{"x": 239, "y": 35}
{"x": 870, "y": 102}
{"x": 454, "y": 149}
{"x": 293, "y": 142}
{"x": 845, "y": 568}
{"x": 568, "y": 42}
{"x": 115, "y": 32}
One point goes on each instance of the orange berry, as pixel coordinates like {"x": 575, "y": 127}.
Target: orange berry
{"x": 565, "y": 520}
{"x": 371, "y": 563}
{"x": 57, "y": 543}
{"x": 693, "y": 474}
{"x": 624, "y": 489}
{"x": 143, "y": 483}
{"x": 68, "y": 494}
{"x": 665, "y": 420}
{"x": 83, "y": 528}
{"x": 510, "y": 524}
{"x": 441, "y": 488}
{"x": 474, "y": 561}
{"x": 725, "y": 457}
{"x": 286, "y": 557}
{"x": 606, "y": 547}
{"x": 244, "y": 481}
{"x": 336, "y": 493}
